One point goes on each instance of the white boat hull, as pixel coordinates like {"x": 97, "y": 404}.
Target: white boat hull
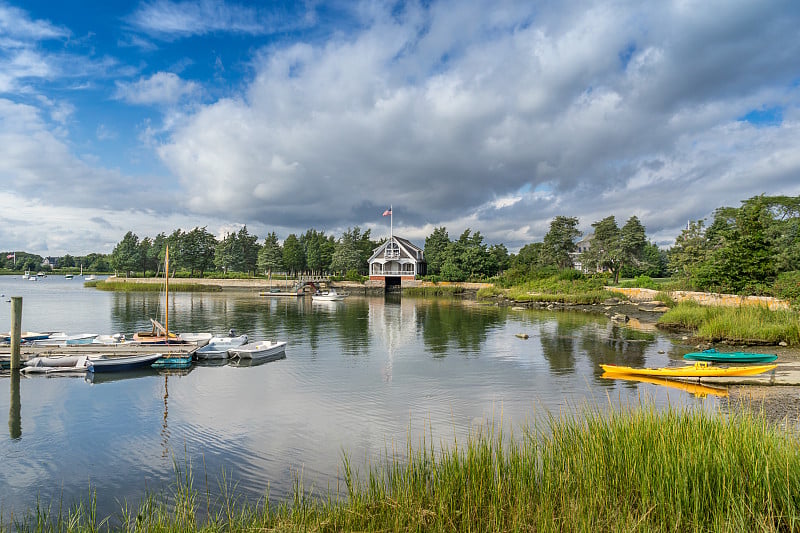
{"x": 217, "y": 347}
{"x": 261, "y": 350}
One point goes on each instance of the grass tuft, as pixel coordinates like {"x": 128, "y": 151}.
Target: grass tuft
{"x": 628, "y": 469}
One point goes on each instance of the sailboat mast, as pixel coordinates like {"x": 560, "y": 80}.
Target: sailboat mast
{"x": 166, "y": 292}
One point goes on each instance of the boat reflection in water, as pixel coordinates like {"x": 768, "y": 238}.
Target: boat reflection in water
{"x": 698, "y": 389}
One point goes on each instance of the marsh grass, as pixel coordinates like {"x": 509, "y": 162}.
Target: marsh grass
{"x": 629, "y": 469}
{"x": 439, "y": 290}
{"x": 561, "y": 290}
{"x": 122, "y": 286}
{"x": 737, "y": 324}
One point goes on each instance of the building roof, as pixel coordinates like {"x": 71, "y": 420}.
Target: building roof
{"x": 408, "y": 249}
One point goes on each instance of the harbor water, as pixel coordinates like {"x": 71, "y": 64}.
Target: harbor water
{"x": 363, "y": 377}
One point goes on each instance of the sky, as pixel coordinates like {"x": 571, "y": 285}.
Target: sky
{"x": 494, "y": 116}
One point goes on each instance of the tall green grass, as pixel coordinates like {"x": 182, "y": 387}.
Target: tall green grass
{"x": 630, "y": 469}
{"x": 122, "y": 286}
{"x": 439, "y": 290}
{"x": 738, "y": 324}
{"x": 561, "y": 288}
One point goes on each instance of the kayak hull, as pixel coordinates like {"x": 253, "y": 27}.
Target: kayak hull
{"x": 714, "y": 356}
{"x": 696, "y": 370}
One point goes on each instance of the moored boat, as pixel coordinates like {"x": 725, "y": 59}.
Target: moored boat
{"x": 714, "y": 356}
{"x": 699, "y": 369}
{"x": 329, "y": 296}
{"x": 57, "y": 364}
{"x": 121, "y": 363}
{"x": 260, "y": 350}
{"x": 170, "y": 360}
{"x": 217, "y": 347}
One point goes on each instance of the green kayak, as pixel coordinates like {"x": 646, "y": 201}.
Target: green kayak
{"x": 714, "y": 356}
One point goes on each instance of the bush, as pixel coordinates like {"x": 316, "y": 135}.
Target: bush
{"x": 641, "y": 282}
{"x": 787, "y": 286}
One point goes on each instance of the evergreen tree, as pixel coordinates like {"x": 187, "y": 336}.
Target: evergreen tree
{"x": 294, "y": 258}
{"x": 559, "y": 242}
{"x": 270, "y": 256}
{"x": 125, "y": 256}
{"x": 435, "y": 247}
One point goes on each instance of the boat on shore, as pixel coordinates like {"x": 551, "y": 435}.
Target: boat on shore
{"x": 713, "y": 356}
{"x": 217, "y": 347}
{"x": 699, "y": 369}
{"x": 260, "y": 351}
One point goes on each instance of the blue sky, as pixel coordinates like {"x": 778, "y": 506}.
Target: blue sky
{"x": 493, "y": 116}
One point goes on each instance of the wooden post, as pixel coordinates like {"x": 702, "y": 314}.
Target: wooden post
{"x": 16, "y": 330}
{"x": 14, "y": 411}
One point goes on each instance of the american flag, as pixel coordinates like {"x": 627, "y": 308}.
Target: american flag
{"x": 387, "y": 212}
{"x": 9, "y": 256}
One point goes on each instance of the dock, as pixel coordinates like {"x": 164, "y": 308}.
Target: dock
{"x": 111, "y": 350}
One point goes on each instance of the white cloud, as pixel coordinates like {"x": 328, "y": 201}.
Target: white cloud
{"x": 16, "y": 23}
{"x": 162, "y": 88}
{"x": 166, "y": 19}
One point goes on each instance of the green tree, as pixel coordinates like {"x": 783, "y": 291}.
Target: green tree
{"x": 689, "y": 251}
{"x": 605, "y": 249}
{"x": 67, "y": 261}
{"x": 559, "y": 242}
{"x": 145, "y": 246}
{"x": 198, "y": 250}
{"x": 632, "y": 242}
{"x": 500, "y": 257}
{"x": 270, "y": 256}
{"x": 435, "y": 247}
{"x": 247, "y": 247}
{"x": 125, "y": 256}
{"x": 346, "y": 256}
{"x": 294, "y": 258}
{"x": 226, "y": 256}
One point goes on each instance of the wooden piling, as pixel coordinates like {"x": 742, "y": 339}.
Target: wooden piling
{"x": 16, "y": 330}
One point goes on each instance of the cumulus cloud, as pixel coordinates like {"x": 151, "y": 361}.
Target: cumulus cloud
{"x": 617, "y": 108}
{"x": 162, "y": 88}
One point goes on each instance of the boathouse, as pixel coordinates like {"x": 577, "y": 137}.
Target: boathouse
{"x": 396, "y": 260}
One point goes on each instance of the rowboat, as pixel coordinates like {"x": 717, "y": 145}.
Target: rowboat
{"x": 217, "y": 347}
{"x": 260, "y": 350}
{"x": 118, "y": 364}
{"x": 699, "y": 369}
{"x": 712, "y": 355}
{"x": 698, "y": 389}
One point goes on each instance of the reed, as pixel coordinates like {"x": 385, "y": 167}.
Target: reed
{"x": 438, "y": 290}
{"x": 623, "y": 469}
{"x": 561, "y": 288}
{"x": 122, "y": 286}
{"x": 745, "y": 324}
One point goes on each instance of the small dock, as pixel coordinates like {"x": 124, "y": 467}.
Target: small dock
{"x": 111, "y": 350}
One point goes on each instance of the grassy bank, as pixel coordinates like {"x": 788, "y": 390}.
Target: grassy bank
{"x": 122, "y": 286}
{"x": 439, "y": 290}
{"x": 744, "y": 325}
{"x": 565, "y": 287}
{"x": 627, "y": 470}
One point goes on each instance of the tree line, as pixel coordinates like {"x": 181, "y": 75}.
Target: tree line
{"x": 752, "y": 249}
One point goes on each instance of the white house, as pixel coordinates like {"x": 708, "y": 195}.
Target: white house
{"x": 395, "y": 260}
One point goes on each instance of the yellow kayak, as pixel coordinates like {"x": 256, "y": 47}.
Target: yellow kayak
{"x": 699, "y": 369}
{"x": 694, "y": 388}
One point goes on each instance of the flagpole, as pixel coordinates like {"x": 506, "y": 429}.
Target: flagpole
{"x": 391, "y": 222}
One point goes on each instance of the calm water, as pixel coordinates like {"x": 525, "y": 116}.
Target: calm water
{"x": 361, "y": 377}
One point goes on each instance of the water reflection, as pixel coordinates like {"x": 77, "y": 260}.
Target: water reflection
{"x": 447, "y": 323}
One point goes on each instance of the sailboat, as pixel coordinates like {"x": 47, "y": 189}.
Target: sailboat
{"x": 160, "y": 334}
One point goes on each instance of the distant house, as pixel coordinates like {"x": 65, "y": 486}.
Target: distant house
{"x": 580, "y": 247}
{"x": 50, "y": 262}
{"x": 395, "y": 260}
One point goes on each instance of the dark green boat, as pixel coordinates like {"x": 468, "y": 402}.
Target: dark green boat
{"x": 713, "y": 356}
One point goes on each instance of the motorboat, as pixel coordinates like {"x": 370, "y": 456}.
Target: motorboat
{"x": 328, "y": 296}
{"x": 260, "y": 350}
{"x": 122, "y": 363}
{"x": 116, "y": 338}
{"x": 217, "y": 347}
